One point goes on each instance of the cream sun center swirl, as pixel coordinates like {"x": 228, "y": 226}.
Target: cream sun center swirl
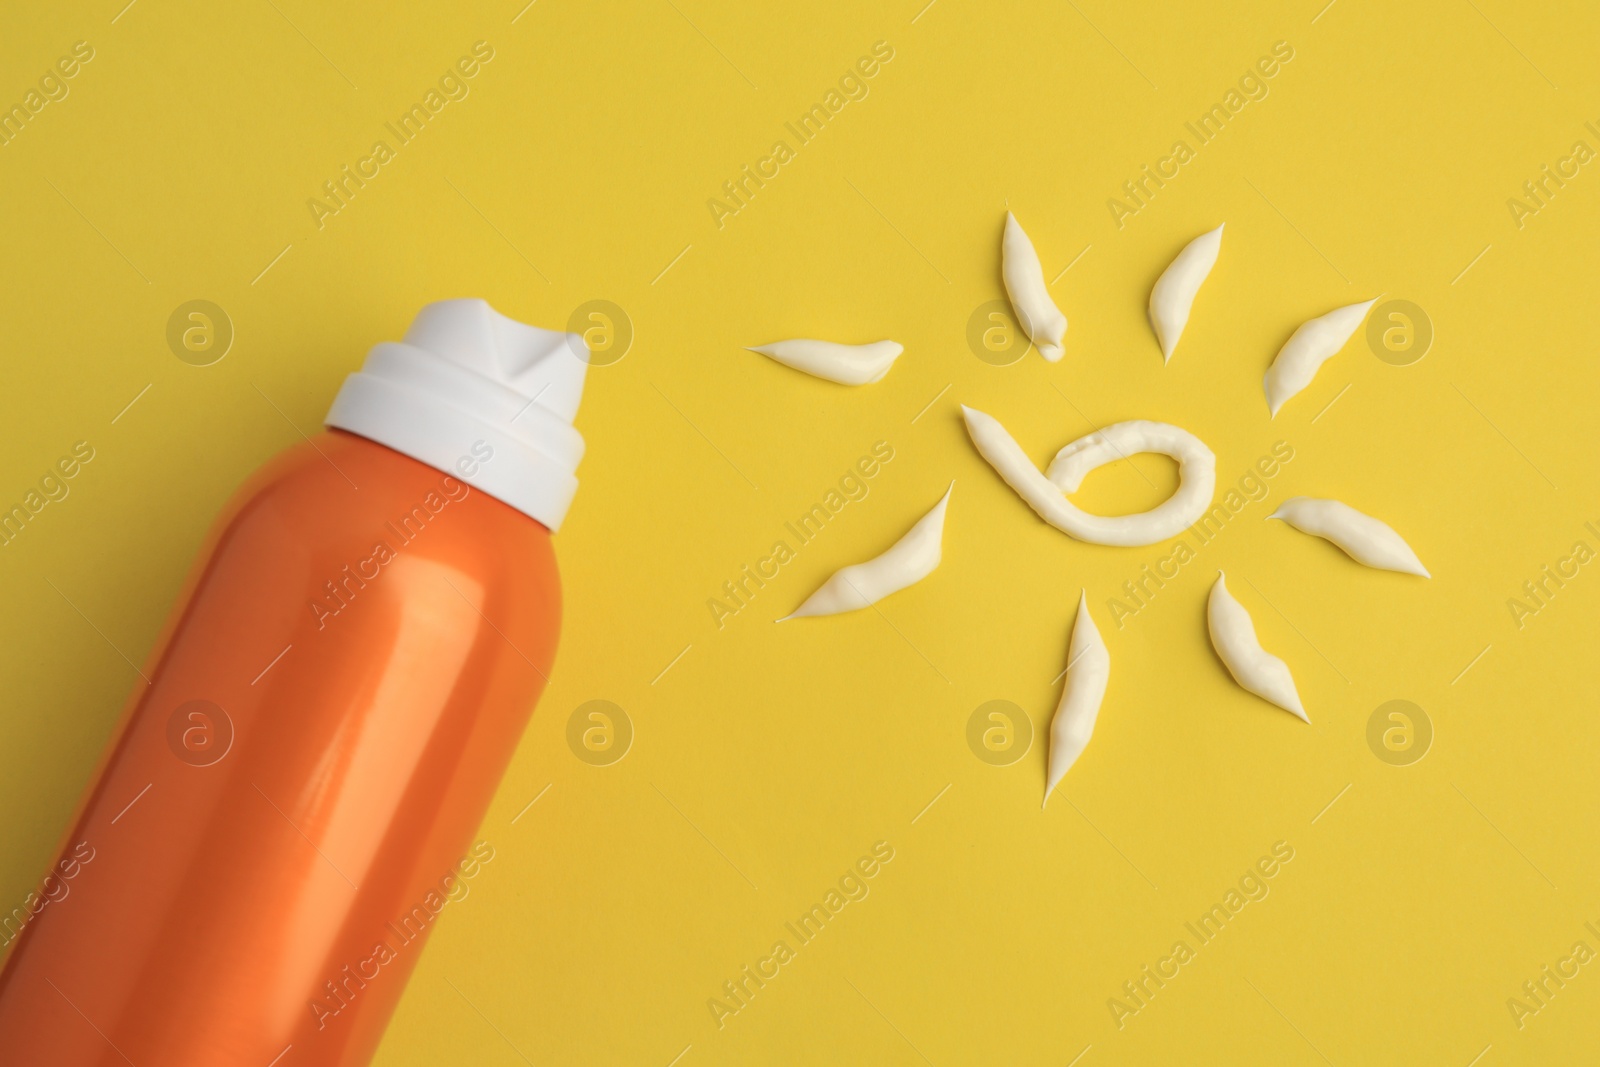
{"x": 1197, "y": 472}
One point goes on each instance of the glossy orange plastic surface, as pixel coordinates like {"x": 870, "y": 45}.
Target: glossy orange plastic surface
{"x": 292, "y": 798}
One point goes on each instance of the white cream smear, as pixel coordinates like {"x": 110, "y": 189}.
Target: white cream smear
{"x": 1233, "y": 635}
{"x": 1364, "y": 539}
{"x": 1088, "y": 670}
{"x": 1044, "y": 493}
{"x": 1174, "y": 292}
{"x": 1312, "y": 345}
{"x": 1041, "y": 320}
{"x": 845, "y": 364}
{"x": 911, "y": 559}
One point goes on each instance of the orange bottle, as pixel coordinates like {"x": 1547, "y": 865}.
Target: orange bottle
{"x": 291, "y": 798}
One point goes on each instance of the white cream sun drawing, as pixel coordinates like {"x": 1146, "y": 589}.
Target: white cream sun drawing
{"x": 1363, "y": 538}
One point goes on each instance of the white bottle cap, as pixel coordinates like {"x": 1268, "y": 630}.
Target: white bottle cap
{"x": 467, "y": 376}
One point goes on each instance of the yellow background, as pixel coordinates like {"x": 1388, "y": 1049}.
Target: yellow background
{"x": 767, "y": 759}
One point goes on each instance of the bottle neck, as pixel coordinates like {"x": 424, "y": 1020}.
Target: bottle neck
{"x": 465, "y": 425}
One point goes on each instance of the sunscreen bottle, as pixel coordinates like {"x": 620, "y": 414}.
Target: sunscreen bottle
{"x": 290, "y": 800}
